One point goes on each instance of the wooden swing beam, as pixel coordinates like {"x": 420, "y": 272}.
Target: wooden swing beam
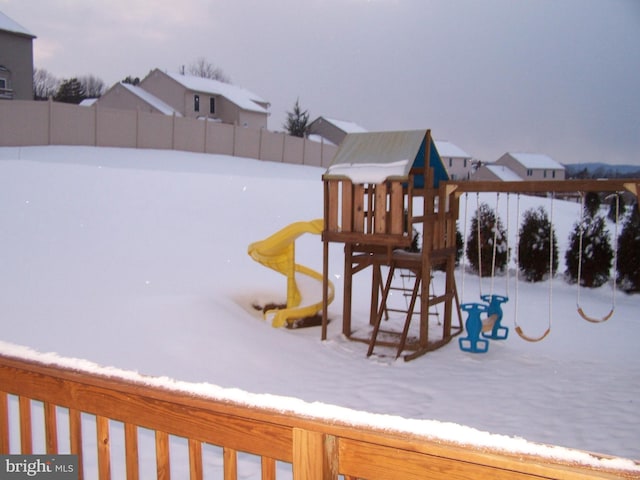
{"x": 545, "y": 186}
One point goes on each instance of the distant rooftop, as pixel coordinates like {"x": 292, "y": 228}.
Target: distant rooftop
{"x": 504, "y": 173}
{"x": 151, "y": 99}
{"x": 347, "y": 127}
{"x": 450, "y": 150}
{"x": 537, "y": 160}
{"x": 238, "y": 95}
{"x": 9, "y": 25}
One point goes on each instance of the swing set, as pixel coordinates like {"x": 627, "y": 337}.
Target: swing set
{"x": 489, "y": 326}
{"x": 379, "y": 186}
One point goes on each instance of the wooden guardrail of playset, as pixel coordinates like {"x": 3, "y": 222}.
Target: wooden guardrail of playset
{"x": 316, "y": 448}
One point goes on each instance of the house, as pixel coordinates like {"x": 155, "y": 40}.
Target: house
{"x": 198, "y": 97}
{"x": 532, "y": 166}
{"x": 332, "y": 130}
{"x": 493, "y": 172}
{"x": 459, "y": 164}
{"x": 129, "y": 97}
{"x": 16, "y": 60}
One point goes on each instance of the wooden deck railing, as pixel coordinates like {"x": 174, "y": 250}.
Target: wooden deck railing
{"x": 316, "y": 448}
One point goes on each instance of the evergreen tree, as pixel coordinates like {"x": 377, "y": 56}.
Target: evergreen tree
{"x": 297, "y": 121}
{"x": 534, "y": 243}
{"x": 597, "y": 254}
{"x": 490, "y": 227}
{"x": 132, "y": 80}
{"x": 628, "y": 265}
{"x": 592, "y": 204}
{"x": 70, "y": 91}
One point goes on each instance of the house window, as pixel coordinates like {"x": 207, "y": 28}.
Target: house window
{"x": 451, "y": 162}
{"x": 529, "y": 173}
{"x": 553, "y": 174}
{"x": 465, "y": 163}
{"x": 544, "y": 174}
{"x": 196, "y": 103}
{"x": 212, "y": 105}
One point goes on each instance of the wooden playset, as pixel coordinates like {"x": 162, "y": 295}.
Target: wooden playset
{"x": 382, "y": 188}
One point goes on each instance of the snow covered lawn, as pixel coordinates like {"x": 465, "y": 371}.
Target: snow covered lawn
{"x": 137, "y": 259}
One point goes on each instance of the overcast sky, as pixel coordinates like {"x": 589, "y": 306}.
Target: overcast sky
{"x": 560, "y": 77}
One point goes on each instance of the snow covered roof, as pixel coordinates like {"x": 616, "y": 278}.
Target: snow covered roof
{"x": 345, "y": 126}
{"x": 88, "y": 102}
{"x": 450, "y": 150}
{"x": 9, "y": 25}
{"x": 241, "y": 97}
{"x": 536, "y": 160}
{"x": 372, "y": 157}
{"x": 504, "y": 173}
{"x": 150, "y": 99}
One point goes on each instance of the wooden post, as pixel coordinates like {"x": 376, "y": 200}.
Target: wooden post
{"x": 314, "y": 456}
{"x": 4, "y": 423}
{"x": 104, "y": 448}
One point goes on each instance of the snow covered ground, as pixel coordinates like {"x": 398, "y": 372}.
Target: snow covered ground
{"x": 137, "y": 259}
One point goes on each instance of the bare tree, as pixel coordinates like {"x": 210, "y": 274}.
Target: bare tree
{"x": 93, "y": 86}
{"x": 202, "y": 68}
{"x": 45, "y": 85}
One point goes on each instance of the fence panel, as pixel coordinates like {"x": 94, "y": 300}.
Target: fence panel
{"x": 24, "y": 123}
{"x": 189, "y": 134}
{"x": 72, "y": 125}
{"x": 116, "y": 128}
{"x": 155, "y": 131}
{"x": 220, "y": 138}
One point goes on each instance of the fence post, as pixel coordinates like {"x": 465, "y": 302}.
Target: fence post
{"x": 50, "y": 122}
{"x": 95, "y": 124}
{"x": 314, "y": 456}
{"x": 173, "y": 131}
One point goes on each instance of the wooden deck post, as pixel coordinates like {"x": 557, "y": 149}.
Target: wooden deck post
{"x": 314, "y": 456}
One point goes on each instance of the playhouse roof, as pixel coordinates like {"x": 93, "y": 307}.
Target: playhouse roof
{"x": 372, "y": 157}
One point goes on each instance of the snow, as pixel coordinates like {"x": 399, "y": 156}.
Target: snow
{"x": 450, "y": 150}
{"x": 134, "y": 263}
{"x": 235, "y": 94}
{"x": 9, "y": 25}
{"x": 504, "y": 173}
{"x": 346, "y": 126}
{"x": 537, "y": 160}
{"x": 150, "y": 99}
{"x": 369, "y": 172}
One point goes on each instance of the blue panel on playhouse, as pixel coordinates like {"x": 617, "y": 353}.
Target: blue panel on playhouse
{"x": 435, "y": 162}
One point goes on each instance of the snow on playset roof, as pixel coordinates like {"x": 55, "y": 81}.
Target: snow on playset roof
{"x": 373, "y": 157}
{"x": 9, "y": 25}
{"x": 238, "y": 95}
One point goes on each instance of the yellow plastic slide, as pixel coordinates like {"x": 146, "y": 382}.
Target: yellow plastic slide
{"x": 278, "y": 253}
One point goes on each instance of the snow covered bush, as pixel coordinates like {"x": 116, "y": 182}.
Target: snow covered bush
{"x": 490, "y": 228}
{"x": 597, "y": 254}
{"x": 628, "y": 274}
{"x": 534, "y": 245}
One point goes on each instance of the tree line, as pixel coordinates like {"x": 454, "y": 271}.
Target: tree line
{"x": 590, "y": 254}
{"x": 76, "y": 89}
